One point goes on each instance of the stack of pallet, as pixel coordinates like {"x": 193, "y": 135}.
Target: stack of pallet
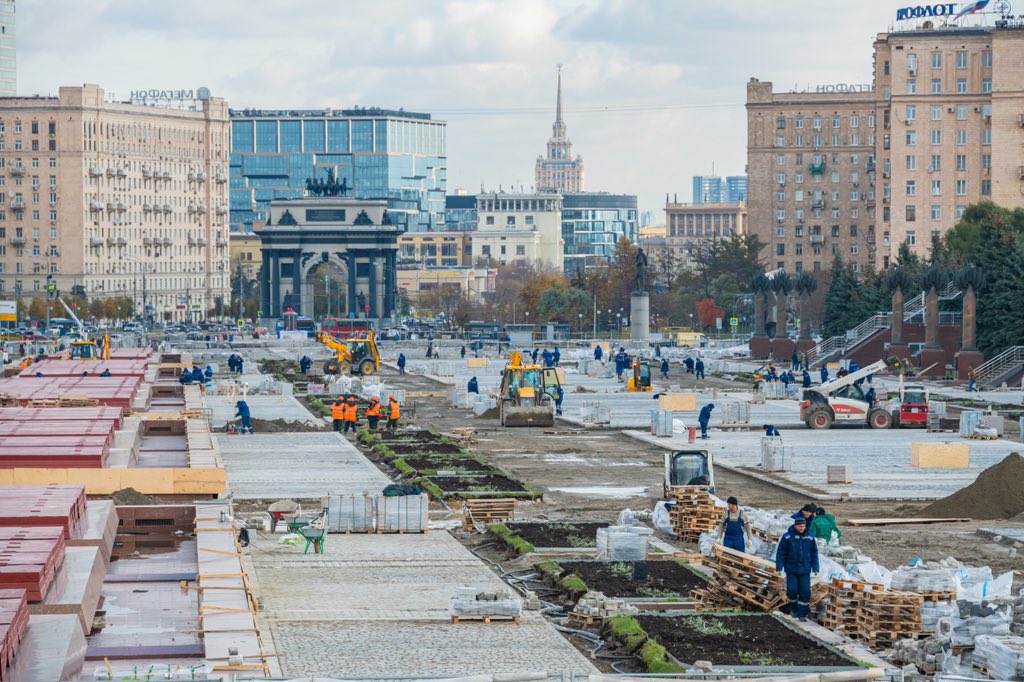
{"x": 694, "y": 512}
{"x": 29, "y": 558}
{"x": 846, "y": 599}
{"x": 888, "y": 616}
{"x": 13, "y": 621}
{"x": 746, "y": 580}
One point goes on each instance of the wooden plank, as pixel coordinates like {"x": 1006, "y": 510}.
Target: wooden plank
{"x": 894, "y": 522}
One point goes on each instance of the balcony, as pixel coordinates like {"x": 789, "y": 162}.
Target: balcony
{"x": 221, "y": 178}
{"x": 120, "y": 172}
{"x": 222, "y": 241}
{"x": 222, "y": 210}
{"x": 191, "y": 240}
{"x": 121, "y": 241}
{"x": 201, "y": 207}
{"x": 817, "y": 238}
{"x": 17, "y": 170}
{"x": 147, "y": 242}
{"x": 18, "y": 241}
{"x": 95, "y": 172}
{"x": 201, "y": 241}
{"x": 111, "y": 206}
{"x": 192, "y": 208}
{"x": 201, "y": 176}
{"x": 146, "y": 172}
{"x": 95, "y": 242}
{"x": 147, "y": 208}
{"x": 163, "y": 176}
{"x": 191, "y": 176}
{"x": 121, "y": 208}
{"x": 167, "y": 208}
{"x": 818, "y": 204}
{"x": 111, "y": 172}
{"x": 18, "y": 204}
{"x": 95, "y": 206}
{"x": 817, "y": 168}
{"x": 167, "y": 241}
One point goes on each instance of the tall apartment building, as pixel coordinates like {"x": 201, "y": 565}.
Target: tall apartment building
{"x": 711, "y": 189}
{"x": 8, "y": 49}
{"x": 691, "y": 227}
{"x": 559, "y": 171}
{"x": 115, "y": 199}
{"x": 398, "y": 156}
{"x": 859, "y": 170}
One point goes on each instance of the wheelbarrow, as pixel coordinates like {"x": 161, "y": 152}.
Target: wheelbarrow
{"x": 282, "y": 510}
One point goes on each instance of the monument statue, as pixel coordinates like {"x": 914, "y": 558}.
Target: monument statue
{"x": 641, "y": 270}
{"x": 330, "y": 187}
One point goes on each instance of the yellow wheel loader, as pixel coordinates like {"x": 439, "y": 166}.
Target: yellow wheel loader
{"x": 357, "y": 355}
{"x": 527, "y": 394}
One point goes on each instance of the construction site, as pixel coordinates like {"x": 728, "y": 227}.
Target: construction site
{"x": 492, "y": 516}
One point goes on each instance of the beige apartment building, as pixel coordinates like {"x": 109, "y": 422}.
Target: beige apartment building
{"x": 246, "y": 250}
{"x": 692, "y": 227}
{"x": 519, "y": 227}
{"x": 858, "y": 170}
{"x": 435, "y": 249}
{"x": 116, "y": 199}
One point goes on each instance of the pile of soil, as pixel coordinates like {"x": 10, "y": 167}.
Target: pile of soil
{"x": 478, "y": 484}
{"x": 446, "y": 464}
{"x": 132, "y": 497}
{"x": 998, "y": 493}
{"x": 425, "y": 436}
{"x": 558, "y": 533}
{"x": 737, "y": 640}
{"x": 283, "y": 426}
{"x": 615, "y": 578}
{"x": 492, "y": 413}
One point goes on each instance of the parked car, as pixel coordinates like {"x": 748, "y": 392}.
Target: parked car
{"x": 132, "y": 327}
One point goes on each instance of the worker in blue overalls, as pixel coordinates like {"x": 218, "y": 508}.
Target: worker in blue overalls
{"x": 734, "y": 532}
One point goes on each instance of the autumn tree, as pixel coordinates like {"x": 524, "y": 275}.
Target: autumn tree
{"x": 708, "y": 313}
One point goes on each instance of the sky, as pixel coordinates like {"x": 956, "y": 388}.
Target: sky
{"x": 654, "y": 90}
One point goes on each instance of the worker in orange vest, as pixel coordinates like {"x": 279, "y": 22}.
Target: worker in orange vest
{"x": 337, "y": 413}
{"x": 374, "y": 413}
{"x": 351, "y": 414}
{"x": 394, "y": 412}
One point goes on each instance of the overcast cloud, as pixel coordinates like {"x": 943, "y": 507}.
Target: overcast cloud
{"x": 654, "y": 89}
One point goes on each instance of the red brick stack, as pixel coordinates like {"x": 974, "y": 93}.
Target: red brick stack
{"x": 13, "y": 621}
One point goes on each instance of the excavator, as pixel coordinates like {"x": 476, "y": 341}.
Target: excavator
{"x": 527, "y": 394}
{"x": 82, "y": 348}
{"x": 355, "y": 355}
{"x": 641, "y": 379}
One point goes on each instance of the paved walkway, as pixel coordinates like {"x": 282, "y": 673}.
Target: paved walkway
{"x": 372, "y": 604}
{"x": 274, "y": 466}
{"x": 261, "y": 406}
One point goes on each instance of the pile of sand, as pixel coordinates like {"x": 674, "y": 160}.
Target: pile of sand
{"x": 131, "y": 496}
{"x": 280, "y": 426}
{"x": 998, "y": 493}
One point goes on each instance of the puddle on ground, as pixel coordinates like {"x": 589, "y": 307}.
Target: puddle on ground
{"x": 603, "y": 491}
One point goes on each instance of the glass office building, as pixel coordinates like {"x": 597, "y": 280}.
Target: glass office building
{"x": 399, "y": 156}
{"x": 460, "y": 212}
{"x": 711, "y": 189}
{"x": 592, "y": 223}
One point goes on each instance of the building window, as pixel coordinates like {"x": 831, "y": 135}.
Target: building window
{"x": 911, "y": 138}
{"x": 798, "y": 178}
{"x": 961, "y": 112}
{"x": 911, "y": 188}
{"x": 780, "y": 214}
{"x": 817, "y": 123}
{"x": 853, "y": 249}
{"x": 485, "y": 250}
{"x": 961, "y": 188}
{"x": 911, "y": 86}
{"x": 986, "y": 59}
{"x": 961, "y": 137}
{"x": 798, "y": 231}
{"x": 780, "y": 141}
{"x": 911, "y": 213}
{"x": 986, "y": 85}
{"x": 489, "y": 220}
{"x": 936, "y": 212}
{"x": 835, "y": 177}
{"x": 835, "y": 230}
{"x": 986, "y": 188}
{"x": 936, "y": 188}
{"x": 798, "y": 249}
{"x": 510, "y": 220}
{"x": 780, "y": 196}
{"x": 780, "y": 232}
{"x": 854, "y": 139}
{"x": 936, "y": 137}
{"x": 816, "y": 141}
{"x": 936, "y": 60}
{"x": 911, "y": 162}
{"x": 961, "y": 86}
{"x": 961, "y": 162}
{"x": 520, "y": 250}
{"x": 836, "y": 122}
{"x": 798, "y": 122}
{"x": 798, "y": 140}
{"x": 961, "y": 59}
{"x": 960, "y": 208}
{"x": 780, "y": 249}
{"x": 986, "y": 136}
{"x": 936, "y": 86}
{"x": 911, "y": 237}
{"x": 780, "y": 160}
{"x": 780, "y": 123}
{"x": 936, "y": 112}
{"x": 835, "y": 140}
{"x": 529, "y": 220}
{"x": 854, "y": 121}
{"x": 502, "y": 249}
{"x": 781, "y": 178}
{"x": 986, "y": 161}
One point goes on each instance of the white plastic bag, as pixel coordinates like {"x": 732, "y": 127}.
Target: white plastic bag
{"x": 986, "y": 590}
{"x": 290, "y": 539}
{"x": 662, "y": 521}
{"x": 873, "y": 572}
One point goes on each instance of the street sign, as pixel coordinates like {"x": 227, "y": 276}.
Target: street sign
{"x": 734, "y": 321}
{"x": 8, "y": 311}
{"x": 179, "y": 306}
{"x": 241, "y": 324}
{"x": 197, "y": 306}
{"x": 259, "y": 314}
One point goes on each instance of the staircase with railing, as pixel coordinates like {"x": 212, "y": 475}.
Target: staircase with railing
{"x": 826, "y": 348}
{"x": 992, "y": 372}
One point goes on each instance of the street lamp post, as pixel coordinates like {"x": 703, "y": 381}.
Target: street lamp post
{"x": 580, "y": 316}
{"x": 223, "y": 269}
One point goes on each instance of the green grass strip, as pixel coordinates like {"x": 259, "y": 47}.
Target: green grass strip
{"x": 510, "y": 538}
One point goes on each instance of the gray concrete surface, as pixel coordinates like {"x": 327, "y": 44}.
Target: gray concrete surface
{"x": 261, "y": 407}
{"x": 295, "y": 465}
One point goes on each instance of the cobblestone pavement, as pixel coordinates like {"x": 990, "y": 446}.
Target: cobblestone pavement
{"x": 372, "y": 604}
{"x": 296, "y": 465}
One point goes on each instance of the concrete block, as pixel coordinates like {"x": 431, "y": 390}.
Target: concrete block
{"x": 476, "y": 362}
{"x": 940, "y": 455}
{"x": 677, "y": 403}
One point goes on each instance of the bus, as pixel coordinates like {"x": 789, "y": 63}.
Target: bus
{"x": 346, "y": 327}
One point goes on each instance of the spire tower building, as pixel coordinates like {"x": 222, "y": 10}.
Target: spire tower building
{"x": 559, "y": 171}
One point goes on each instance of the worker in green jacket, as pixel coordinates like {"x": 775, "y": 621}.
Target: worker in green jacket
{"x": 823, "y": 525}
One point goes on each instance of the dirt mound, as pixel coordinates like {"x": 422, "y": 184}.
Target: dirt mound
{"x": 493, "y": 413}
{"x": 998, "y": 493}
{"x": 131, "y": 496}
{"x": 285, "y": 426}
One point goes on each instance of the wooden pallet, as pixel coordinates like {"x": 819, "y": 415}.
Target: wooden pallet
{"x": 487, "y": 511}
{"x": 485, "y": 618}
{"x": 582, "y": 620}
{"x": 938, "y": 596}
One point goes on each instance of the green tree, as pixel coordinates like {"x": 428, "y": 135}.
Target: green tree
{"x": 1000, "y": 315}
{"x": 564, "y": 305}
{"x": 839, "y": 300}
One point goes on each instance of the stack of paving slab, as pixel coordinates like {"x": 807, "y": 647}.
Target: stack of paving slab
{"x": 57, "y": 437}
{"x": 1001, "y": 658}
{"x": 120, "y": 367}
{"x": 118, "y": 391}
{"x": 377, "y": 513}
{"x": 13, "y": 621}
